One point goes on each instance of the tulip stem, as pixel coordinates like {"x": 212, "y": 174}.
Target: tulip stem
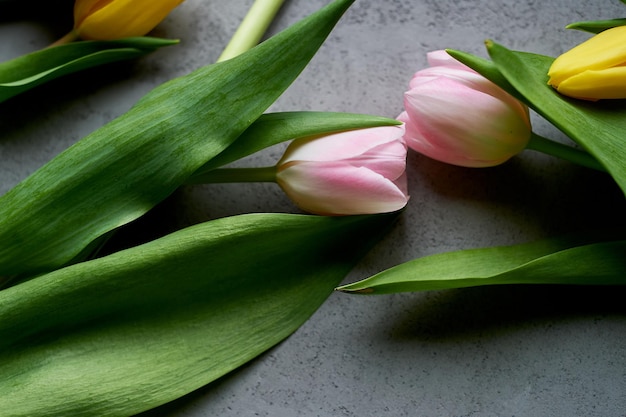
{"x": 229, "y": 175}
{"x": 577, "y": 156}
{"x": 70, "y": 37}
{"x": 252, "y": 28}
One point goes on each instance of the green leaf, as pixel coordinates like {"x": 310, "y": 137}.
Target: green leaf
{"x": 125, "y": 333}
{"x": 597, "y": 126}
{"x": 273, "y": 128}
{"x": 28, "y": 71}
{"x": 555, "y": 261}
{"x": 122, "y": 170}
{"x": 597, "y": 26}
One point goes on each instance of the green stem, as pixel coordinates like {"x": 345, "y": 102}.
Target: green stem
{"x": 252, "y": 28}
{"x": 224, "y": 175}
{"x": 550, "y": 147}
{"x": 70, "y": 37}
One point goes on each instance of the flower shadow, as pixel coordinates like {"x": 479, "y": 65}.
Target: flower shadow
{"x": 534, "y": 193}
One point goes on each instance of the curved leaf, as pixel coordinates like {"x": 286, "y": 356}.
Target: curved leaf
{"x": 121, "y": 334}
{"x": 120, "y": 171}
{"x": 28, "y": 71}
{"x": 273, "y": 128}
{"x": 561, "y": 261}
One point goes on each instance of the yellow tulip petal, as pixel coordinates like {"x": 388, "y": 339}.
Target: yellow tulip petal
{"x": 604, "y": 50}
{"x": 124, "y": 18}
{"x": 595, "y": 85}
{"x": 83, "y": 8}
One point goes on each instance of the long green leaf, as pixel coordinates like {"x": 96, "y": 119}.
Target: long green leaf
{"x": 597, "y": 26}
{"x": 273, "y": 128}
{"x": 30, "y": 70}
{"x": 124, "y": 333}
{"x": 120, "y": 171}
{"x": 555, "y": 261}
{"x": 597, "y": 126}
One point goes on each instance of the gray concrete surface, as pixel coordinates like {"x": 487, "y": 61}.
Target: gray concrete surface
{"x": 506, "y": 351}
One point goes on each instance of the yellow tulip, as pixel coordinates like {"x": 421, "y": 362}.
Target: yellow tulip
{"x": 116, "y": 19}
{"x": 593, "y": 70}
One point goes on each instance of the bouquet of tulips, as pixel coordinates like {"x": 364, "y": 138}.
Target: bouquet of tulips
{"x": 83, "y": 333}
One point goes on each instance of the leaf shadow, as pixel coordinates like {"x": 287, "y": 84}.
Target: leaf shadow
{"x": 471, "y": 313}
{"x": 450, "y": 316}
{"x": 35, "y": 115}
{"x": 51, "y": 12}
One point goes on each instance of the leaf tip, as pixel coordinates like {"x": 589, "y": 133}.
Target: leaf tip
{"x": 451, "y": 52}
{"x": 348, "y": 290}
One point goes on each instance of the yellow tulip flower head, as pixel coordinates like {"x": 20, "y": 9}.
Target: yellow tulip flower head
{"x": 593, "y": 70}
{"x": 116, "y": 19}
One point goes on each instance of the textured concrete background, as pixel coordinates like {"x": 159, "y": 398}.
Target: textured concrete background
{"x": 505, "y": 351}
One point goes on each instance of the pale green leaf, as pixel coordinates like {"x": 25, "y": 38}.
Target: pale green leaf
{"x": 125, "y": 333}
{"x": 556, "y": 261}
{"x": 30, "y": 70}
{"x": 122, "y": 170}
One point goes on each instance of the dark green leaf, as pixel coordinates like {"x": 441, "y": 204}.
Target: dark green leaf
{"x": 124, "y": 333}
{"x": 597, "y": 126}
{"x": 28, "y": 71}
{"x": 597, "y": 26}
{"x": 122, "y": 170}
{"x": 273, "y": 128}
{"x": 556, "y": 261}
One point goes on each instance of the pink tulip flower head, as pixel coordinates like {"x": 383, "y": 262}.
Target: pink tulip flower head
{"x": 457, "y": 116}
{"x": 354, "y": 172}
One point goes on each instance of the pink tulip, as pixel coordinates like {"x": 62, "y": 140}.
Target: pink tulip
{"x": 355, "y": 172}
{"x": 455, "y": 115}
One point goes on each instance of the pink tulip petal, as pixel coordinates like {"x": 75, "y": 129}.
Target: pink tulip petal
{"x": 342, "y": 145}
{"x": 388, "y": 159}
{"x": 464, "y": 126}
{"x": 336, "y": 188}
{"x": 442, "y": 58}
{"x": 464, "y": 75}
{"x": 448, "y": 67}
